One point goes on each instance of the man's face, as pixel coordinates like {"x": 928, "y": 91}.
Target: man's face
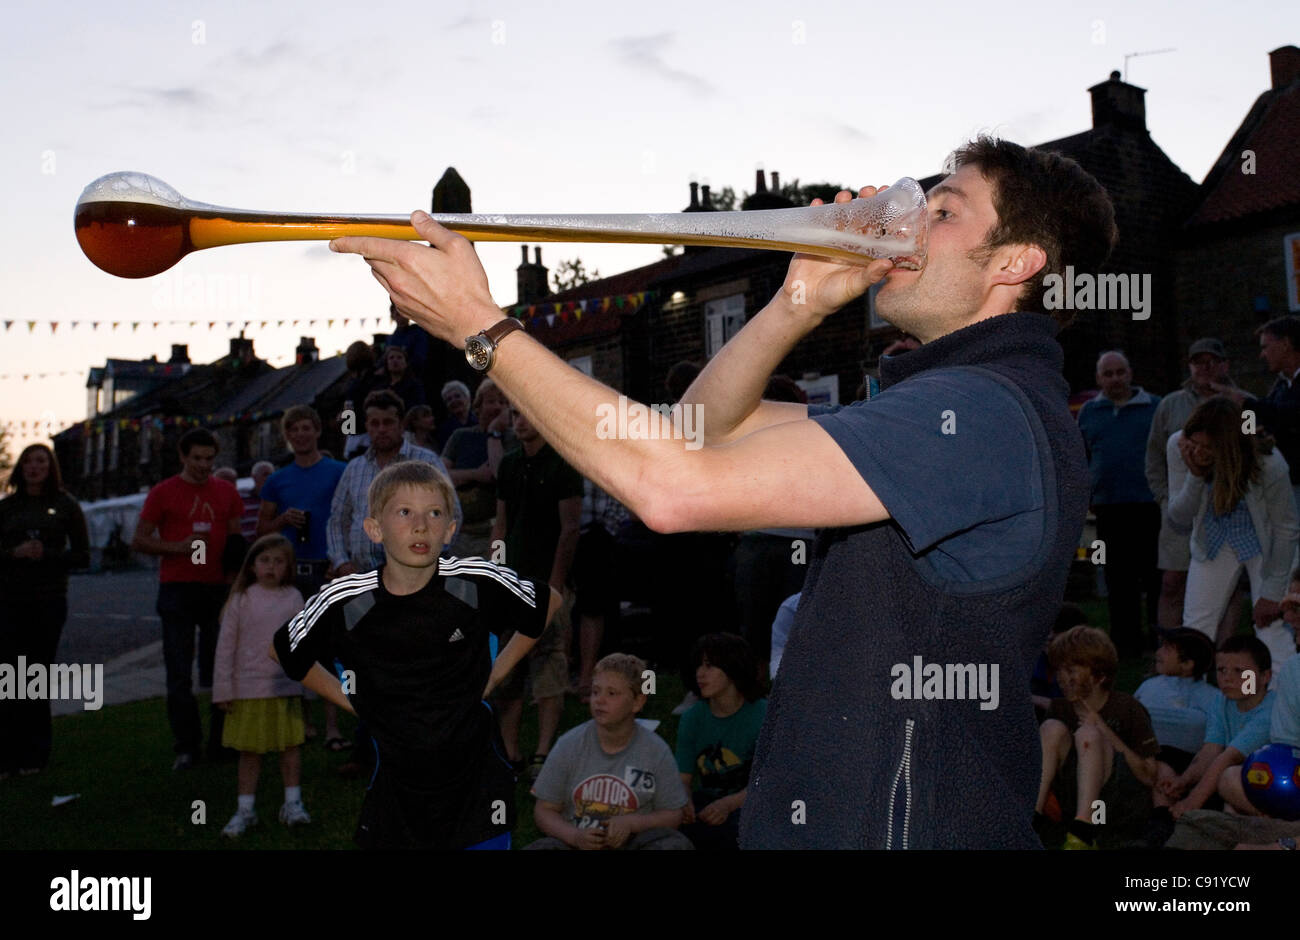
{"x": 1233, "y": 670}
{"x": 414, "y": 526}
{"x": 489, "y": 406}
{"x": 1274, "y": 351}
{"x": 1206, "y": 368}
{"x": 384, "y": 427}
{"x": 302, "y": 436}
{"x": 1114, "y": 377}
{"x": 197, "y": 464}
{"x": 944, "y": 294}
{"x": 456, "y": 402}
{"x": 524, "y": 431}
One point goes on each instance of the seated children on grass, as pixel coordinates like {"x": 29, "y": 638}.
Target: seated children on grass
{"x": 1097, "y": 743}
{"x": 1238, "y": 727}
{"x": 609, "y": 783}
{"x": 717, "y": 737}
{"x": 412, "y": 640}
{"x": 263, "y": 707}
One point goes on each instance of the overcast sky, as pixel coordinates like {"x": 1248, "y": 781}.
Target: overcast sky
{"x": 564, "y": 106}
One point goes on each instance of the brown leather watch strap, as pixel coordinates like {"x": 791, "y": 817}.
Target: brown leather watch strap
{"x": 499, "y": 330}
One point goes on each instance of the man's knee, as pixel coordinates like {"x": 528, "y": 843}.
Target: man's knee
{"x": 1054, "y": 734}
{"x": 1089, "y": 738}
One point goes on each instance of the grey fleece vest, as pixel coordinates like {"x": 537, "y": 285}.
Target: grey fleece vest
{"x": 842, "y": 763}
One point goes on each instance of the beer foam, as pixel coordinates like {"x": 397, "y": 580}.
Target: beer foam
{"x": 132, "y": 187}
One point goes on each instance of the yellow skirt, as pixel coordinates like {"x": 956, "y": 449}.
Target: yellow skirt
{"x": 261, "y": 725}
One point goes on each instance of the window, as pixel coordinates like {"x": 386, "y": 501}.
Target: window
{"x": 723, "y": 320}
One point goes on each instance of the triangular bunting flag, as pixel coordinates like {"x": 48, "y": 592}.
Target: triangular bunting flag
{"x": 550, "y": 319}
{"x": 31, "y": 325}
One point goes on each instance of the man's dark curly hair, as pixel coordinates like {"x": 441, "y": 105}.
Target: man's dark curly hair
{"x": 1045, "y": 199}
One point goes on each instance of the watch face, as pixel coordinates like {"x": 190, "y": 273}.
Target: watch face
{"x": 478, "y": 353}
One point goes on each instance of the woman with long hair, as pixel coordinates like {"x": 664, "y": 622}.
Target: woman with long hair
{"x": 42, "y": 537}
{"x": 1232, "y": 494}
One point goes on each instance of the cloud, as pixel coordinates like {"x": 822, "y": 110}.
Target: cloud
{"x": 848, "y": 132}
{"x": 646, "y": 53}
{"x": 183, "y": 96}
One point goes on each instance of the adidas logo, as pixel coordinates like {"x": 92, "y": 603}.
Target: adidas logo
{"x": 456, "y": 636}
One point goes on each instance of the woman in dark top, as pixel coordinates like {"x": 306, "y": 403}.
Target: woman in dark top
{"x": 42, "y": 536}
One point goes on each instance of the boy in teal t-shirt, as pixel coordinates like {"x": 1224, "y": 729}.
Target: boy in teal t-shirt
{"x": 717, "y": 738}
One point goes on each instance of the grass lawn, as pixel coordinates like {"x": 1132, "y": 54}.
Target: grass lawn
{"x": 119, "y": 760}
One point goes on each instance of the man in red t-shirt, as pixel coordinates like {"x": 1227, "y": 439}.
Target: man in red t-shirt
{"x": 188, "y": 520}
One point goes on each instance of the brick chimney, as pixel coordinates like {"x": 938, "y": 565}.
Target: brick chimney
{"x": 180, "y": 354}
{"x": 306, "y": 353}
{"x": 706, "y": 201}
{"x": 1118, "y": 105}
{"x": 241, "y": 348}
{"x": 1284, "y": 62}
{"x": 531, "y": 278}
{"x": 760, "y": 181}
{"x": 776, "y": 182}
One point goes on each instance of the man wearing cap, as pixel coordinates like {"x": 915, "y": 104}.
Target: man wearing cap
{"x": 1207, "y": 363}
{"x": 1115, "y": 427}
{"x": 1279, "y": 411}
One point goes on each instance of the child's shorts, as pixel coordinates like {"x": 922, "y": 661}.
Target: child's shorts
{"x": 261, "y": 725}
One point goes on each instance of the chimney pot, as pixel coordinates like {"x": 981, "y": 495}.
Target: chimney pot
{"x": 706, "y": 201}
{"x": 760, "y": 181}
{"x": 776, "y": 182}
{"x": 695, "y": 195}
{"x": 537, "y": 254}
{"x": 1284, "y": 63}
{"x": 524, "y": 249}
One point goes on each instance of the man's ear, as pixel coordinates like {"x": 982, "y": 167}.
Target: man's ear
{"x": 1015, "y": 264}
{"x": 371, "y": 526}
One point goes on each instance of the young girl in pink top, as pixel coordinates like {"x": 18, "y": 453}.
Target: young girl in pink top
{"x": 262, "y": 704}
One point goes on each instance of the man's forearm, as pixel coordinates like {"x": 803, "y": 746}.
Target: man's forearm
{"x": 508, "y": 658}
{"x": 731, "y": 385}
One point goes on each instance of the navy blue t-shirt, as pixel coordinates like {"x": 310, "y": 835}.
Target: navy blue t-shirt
{"x": 312, "y": 490}
{"x": 922, "y": 447}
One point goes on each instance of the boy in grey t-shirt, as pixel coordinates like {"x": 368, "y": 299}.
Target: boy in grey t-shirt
{"x": 609, "y": 783}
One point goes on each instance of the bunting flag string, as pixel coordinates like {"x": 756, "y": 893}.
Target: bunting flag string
{"x": 25, "y": 376}
{"x": 574, "y": 310}
{"x": 73, "y": 325}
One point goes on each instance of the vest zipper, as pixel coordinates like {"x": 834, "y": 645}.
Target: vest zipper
{"x": 903, "y": 773}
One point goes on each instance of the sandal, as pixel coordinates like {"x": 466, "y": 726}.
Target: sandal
{"x": 337, "y": 744}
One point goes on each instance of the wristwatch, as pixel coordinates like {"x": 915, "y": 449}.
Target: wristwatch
{"x": 481, "y": 349}
{"x": 496, "y": 435}
{"x": 1287, "y": 842}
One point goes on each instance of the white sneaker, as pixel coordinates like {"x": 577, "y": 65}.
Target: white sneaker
{"x": 239, "y": 824}
{"x": 293, "y": 814}
{"x": 685, "y": 704}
